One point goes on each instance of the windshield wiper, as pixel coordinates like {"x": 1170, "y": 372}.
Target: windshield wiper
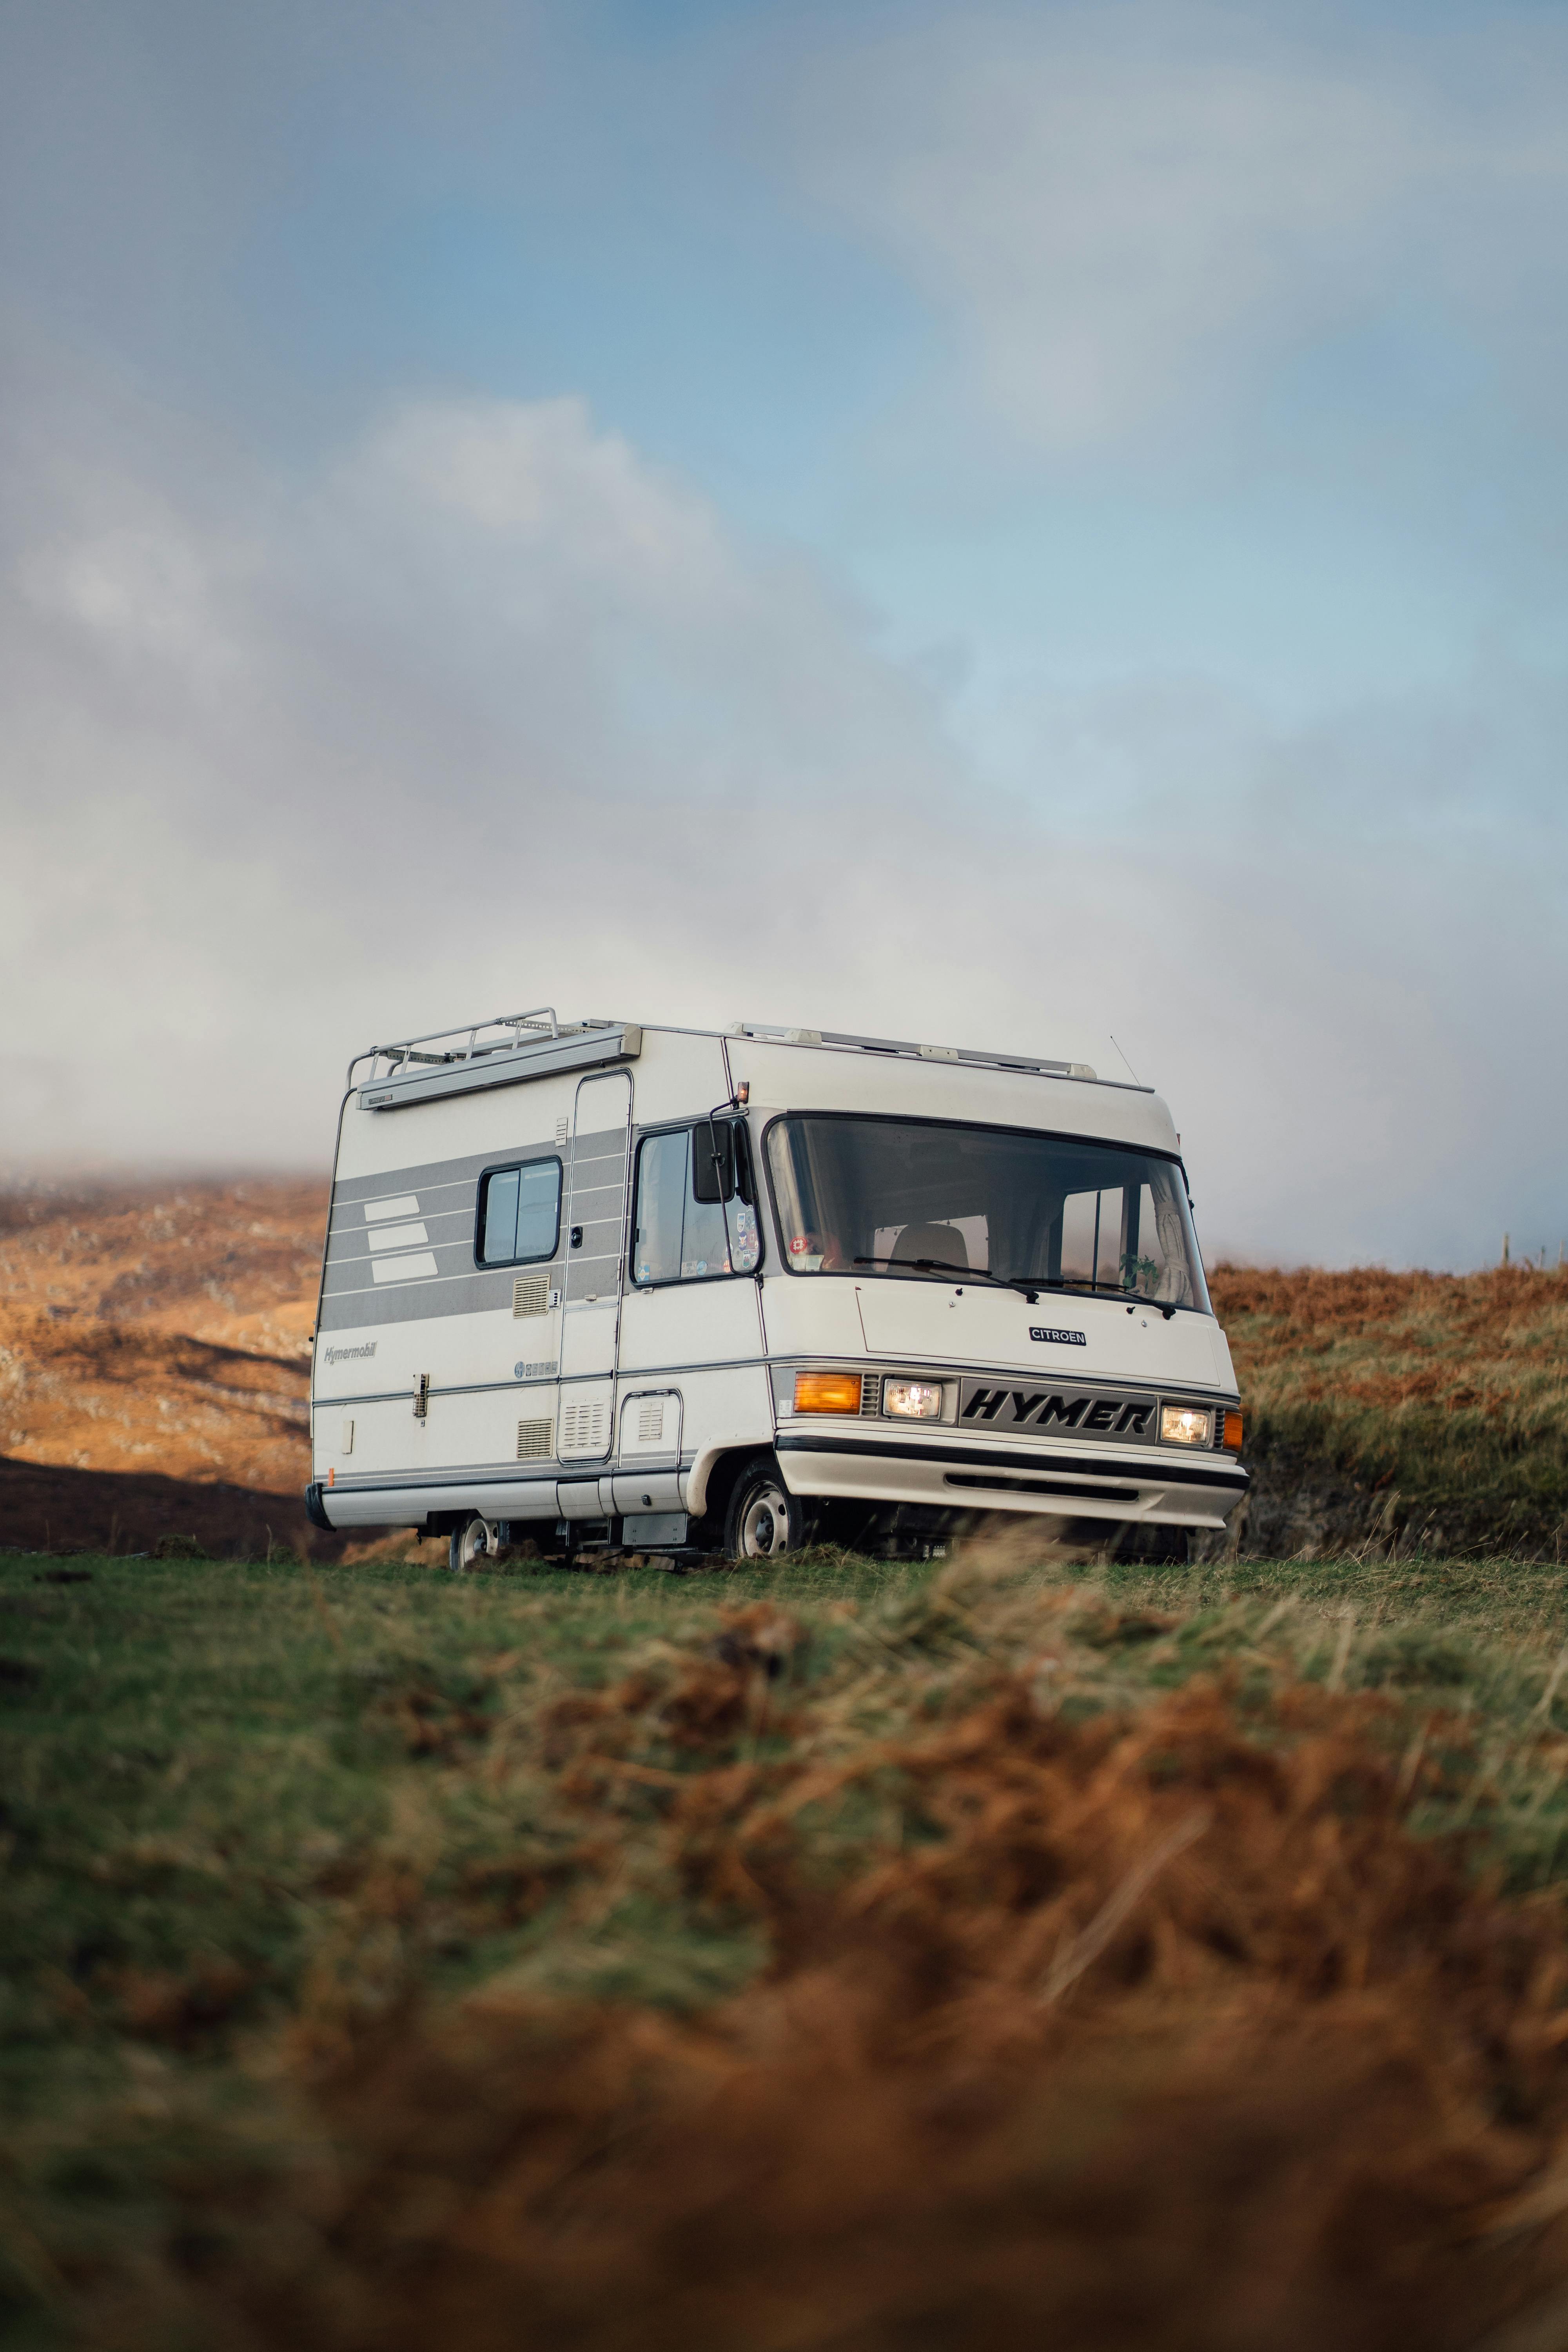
{"x": 1030, "y": 1289}
{"x": 1031, "y": 1284}
{"x": 1106, "y": 1290}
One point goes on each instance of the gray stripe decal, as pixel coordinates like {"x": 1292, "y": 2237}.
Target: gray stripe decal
{"x": 431, "y": 1173}
{"x": 349, "y": 1302}
{"x": 594, "y": 1178}
{"x": 413, "y": 1302}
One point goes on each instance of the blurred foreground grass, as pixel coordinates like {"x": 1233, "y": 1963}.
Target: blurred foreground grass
{"x": 251, "y": 1810}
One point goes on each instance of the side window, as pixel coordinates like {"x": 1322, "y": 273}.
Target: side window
{"x": 662, "y": 1163}
{"x": 519, "y": 1214}
{"x": 696, "y": 1205}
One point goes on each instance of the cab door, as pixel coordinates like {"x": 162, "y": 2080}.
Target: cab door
{"x": 595, "y": 1257}
{"x": 690, "y": 1317}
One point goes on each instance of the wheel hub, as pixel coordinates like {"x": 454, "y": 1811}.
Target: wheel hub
{"x": 766, "y": 1529}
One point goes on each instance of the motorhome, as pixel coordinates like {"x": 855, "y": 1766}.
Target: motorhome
{"x": 597, "y": 1284}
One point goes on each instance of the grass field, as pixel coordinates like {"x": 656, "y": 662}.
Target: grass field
{"x": 1438, "y": 1403}
{"x": 848, "y": 1955}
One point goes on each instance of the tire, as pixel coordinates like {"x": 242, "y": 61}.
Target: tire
{"x": 764, "y": 1520}
{"x": 469, "y": 1546}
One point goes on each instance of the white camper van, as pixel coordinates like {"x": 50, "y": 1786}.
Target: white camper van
{"x": 598, "y": 1284}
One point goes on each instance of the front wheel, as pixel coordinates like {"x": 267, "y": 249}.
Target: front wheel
{"x": 764, "y": 1519}
{"x": 470, "y": 1546}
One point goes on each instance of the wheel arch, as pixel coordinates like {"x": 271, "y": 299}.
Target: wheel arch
{"x": 712, "y": 1477}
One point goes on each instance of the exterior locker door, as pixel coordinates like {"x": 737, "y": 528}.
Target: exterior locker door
{"x": 596, "y": 1260}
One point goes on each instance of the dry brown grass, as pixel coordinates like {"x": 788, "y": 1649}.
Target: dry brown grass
{"x": 1446, "y": 1392}
{"x": 1089, "y": 2013}
{"x": 156, "y": 1331}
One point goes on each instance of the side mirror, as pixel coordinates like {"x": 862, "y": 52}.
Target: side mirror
{"x": 712, "y": 1161}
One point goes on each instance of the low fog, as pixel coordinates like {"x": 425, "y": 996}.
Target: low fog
{"x": 459, "y": 687}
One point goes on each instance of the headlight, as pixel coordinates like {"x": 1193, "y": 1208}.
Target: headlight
{"x": 913, "y": 1400}
{"x": 828, "y": 1391}
{"x": 1186, "y": 1424}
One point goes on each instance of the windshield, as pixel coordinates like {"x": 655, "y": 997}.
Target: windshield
{"x": 875, "y": 1196}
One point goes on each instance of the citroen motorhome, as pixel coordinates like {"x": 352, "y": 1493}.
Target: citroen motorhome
{"x": 589, "y": 1284}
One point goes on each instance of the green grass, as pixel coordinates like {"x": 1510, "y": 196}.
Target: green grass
{"x": 241, "y": 1800}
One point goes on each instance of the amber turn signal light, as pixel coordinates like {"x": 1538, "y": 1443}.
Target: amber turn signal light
{"x": 828, "y": 1391}
{"x": 1232, "y": 1439}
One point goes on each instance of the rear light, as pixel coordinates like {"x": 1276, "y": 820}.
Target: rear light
{"x": 913, "y": 1400}
{"x": 828, "y": 1391}
{"x": 1231, "y": 1441}
{"x": 1186, "y": 1424}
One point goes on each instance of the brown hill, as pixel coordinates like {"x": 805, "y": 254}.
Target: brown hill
{"x": 154, "y": 1361}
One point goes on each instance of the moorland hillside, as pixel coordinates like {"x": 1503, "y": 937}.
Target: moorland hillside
{"x": 154, "y": 1357}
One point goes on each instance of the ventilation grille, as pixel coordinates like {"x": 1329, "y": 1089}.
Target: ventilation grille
{"x": 560, "y": 1130}
{"x": 583, "y": 1425}
{"x": 871, "y": 1394}
{"x": 650, "y": 1421}
{"x": 531, "y": 1294}
{"x": 533, "y": 1441}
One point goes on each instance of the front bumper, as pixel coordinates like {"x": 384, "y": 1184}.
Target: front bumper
{"x": 1081, "y": 1485}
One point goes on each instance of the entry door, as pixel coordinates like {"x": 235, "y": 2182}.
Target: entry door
{"x": 595, "y": 1258}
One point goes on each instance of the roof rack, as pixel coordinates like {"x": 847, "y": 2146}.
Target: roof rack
{"x": 510, "y": 1046}
{"x": 1032, "y": 1064}
{"x": 487, "y": 1052}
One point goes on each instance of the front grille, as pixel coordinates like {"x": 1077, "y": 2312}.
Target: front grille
{"x": 871, "y": 1395}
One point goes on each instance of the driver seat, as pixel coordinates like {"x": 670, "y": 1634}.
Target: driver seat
{"x": 931, "y": 1240}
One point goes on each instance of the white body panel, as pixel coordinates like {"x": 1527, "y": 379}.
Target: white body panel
{"x": 559, "y": 1388}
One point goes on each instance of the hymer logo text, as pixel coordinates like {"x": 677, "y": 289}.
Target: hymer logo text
{"x": 1074, "y": 1409}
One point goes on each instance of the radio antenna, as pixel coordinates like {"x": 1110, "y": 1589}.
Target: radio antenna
{"x": 1130, "y": 1071}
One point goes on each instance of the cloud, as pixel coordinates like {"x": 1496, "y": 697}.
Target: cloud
{"x": 1132, "y": 215}
{"x": 486, "y": 709}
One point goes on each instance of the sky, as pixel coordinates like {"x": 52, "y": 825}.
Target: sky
{"x": 1027, "y": 527}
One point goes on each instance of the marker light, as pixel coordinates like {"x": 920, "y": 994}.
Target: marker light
{"x": 1186, "y": 1424}
{"x": 1232, "y": 1438}
{"x": 828, "y": 1391}
{"x": 913, "y": 1400}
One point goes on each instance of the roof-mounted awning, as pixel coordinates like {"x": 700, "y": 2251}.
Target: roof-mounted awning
{"x": 506, "y": 1052}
